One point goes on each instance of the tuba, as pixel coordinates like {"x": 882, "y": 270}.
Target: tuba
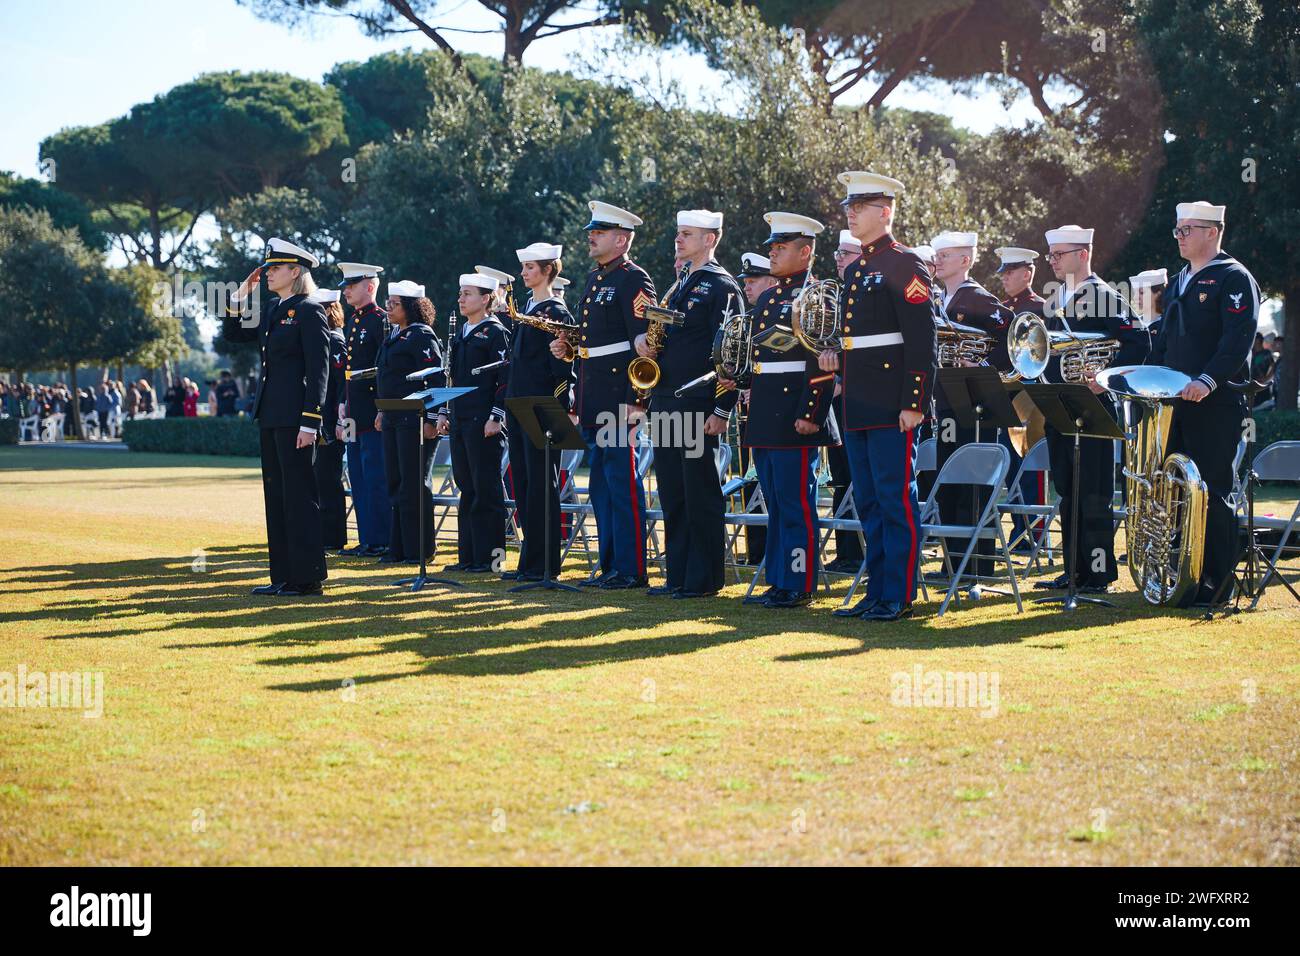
{"x": 1164, "y": 520}
{"x": 815, "y": 312}
{"x": 644, "y": 372}
{"x": 1031, "y": 348}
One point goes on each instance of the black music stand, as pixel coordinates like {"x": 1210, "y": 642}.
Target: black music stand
{"x": 421, "y": 402}
{"x": 978, "y": 397}
{"x": 547, "y": 425}
{"x": 1072, "y": 409}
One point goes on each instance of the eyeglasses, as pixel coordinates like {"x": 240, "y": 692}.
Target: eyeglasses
{"x": 1058, "y": 256}
{"x": 843, "y": 253}
{"x": 1182, "y": 232}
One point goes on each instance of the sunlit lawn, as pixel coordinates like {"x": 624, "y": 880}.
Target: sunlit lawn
{"x": 472, "y": 726}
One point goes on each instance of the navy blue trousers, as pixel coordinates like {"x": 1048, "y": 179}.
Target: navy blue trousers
{"x": 369, "y": 488}
{"x": 789, "y": 485}
{"x": 883, "y": 463}
{"x": 618, "y": 499}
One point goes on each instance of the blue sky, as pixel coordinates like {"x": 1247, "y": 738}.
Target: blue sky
{"x": 80, "y": 62}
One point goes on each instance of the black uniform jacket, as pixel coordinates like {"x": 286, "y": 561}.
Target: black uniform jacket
{"x": 1208, "y": 328}
{"x": 364, "y": 332}
{"x": 408, "y": 350}
{"x": 533, "y": 369}
{"x": 887, "y": 292}
{"x": 611, "y": 313}
{"x": 477, "y": 345}
{"x": 338, "y": 360}
{"x": 800, "y": 390}
{"x": 688, "y": 348}
{"x": 294, "y": 337}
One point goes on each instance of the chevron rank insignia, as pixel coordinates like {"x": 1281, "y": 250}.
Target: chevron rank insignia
{"x": 641, "y": 302}
{"x": 916, "y": 291}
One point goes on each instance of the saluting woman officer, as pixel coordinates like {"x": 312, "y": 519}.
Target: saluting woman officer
{"x": 474, "y": 425}
{"x": 410, "y": 347}
{"x": 291, "y": 390}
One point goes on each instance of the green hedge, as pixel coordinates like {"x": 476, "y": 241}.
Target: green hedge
{"x": 8, "y": 431}
{"x": 1276, "y": 425}
{"x": 193, "y": 436}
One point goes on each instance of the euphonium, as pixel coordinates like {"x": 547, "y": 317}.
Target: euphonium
{"x": 560, "y": 330}
{"x": 815, "y": 313}
{"x": 644, "y": 372}
{"x": 1031, "y": 347}
{"x": 1164, "y": 520}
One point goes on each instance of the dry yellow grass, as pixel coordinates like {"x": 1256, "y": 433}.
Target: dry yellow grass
{"x": 467, "y": 727}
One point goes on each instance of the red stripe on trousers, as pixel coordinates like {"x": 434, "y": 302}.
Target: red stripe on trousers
{"x": 909, "y": 589}
{"x": 811, "y": 552}
{"x": 636, "y": 516}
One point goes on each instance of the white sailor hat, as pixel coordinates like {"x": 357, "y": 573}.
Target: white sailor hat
{"x": 481, "y": 280}
{"x": 538, "y": 252}
{"x": 281, "y": 250}
{"x": 864, "y": 185}
{"x": 605, "y": 216}
{"x": 848, "y": 239}
{"x": 754, "y": 265}
{"x": 324, "y": 296}
{"x": 788, "y": 225}
{"x": 1201, "y": 210}
{"x": 356, "y": 271}
{"x": 559, "y": 282}
{"x": 955, "y": 240}
{"x": 406, "y": 288}
{"x": 699, "y": 218}
{"x": 1013, "y": 256}
{"x": 925, "y": 252}
{"x": 503, "y": 278}
{"x": 1151, "y": 277}
{"x": 1072, "y": 234}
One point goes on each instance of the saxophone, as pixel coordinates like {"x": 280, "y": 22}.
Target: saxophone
{"x": 560, "y": 330}
{"x": 644, "y": 372}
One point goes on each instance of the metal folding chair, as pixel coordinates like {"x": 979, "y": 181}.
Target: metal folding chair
{"x": 1038, "y": 518}
{"x": 1280, "y": 461}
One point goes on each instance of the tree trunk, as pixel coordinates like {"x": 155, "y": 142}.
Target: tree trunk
{"x": 74, "y": 403}
{"x": 1288, "y": 383}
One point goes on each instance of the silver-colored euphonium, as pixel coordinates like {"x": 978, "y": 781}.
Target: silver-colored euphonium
{"x": 1031, "y": 346}
{"x": 1164, "y": 520}
{"x": 960, "y": 345}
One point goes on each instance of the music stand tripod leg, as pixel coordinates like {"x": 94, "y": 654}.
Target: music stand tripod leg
{"x": 1072, "y": 598}
{"x": 418, "y": 582}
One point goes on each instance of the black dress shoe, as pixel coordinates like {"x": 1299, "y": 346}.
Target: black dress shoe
{"x": 662, "y": 589}
{"x": 1095, "y": 587}
{"x": 356, "y": 551}
{"x": 510, "y": 576}
{"x": 783, "y": 598}
{"x": 596, "y": 580}
{"x": 857, "y": 610}
{"x": 458, "y": 566}
{"x": 390, "y": 558}
{"x": 374, "y": 551}
{"x": 844, "y": 566}
{"x": 887, "y": 611}
{"x": 684, "y": 595}
{"x": 268, "y": 588}
{"x": 1058, "y": 583}
{"x": 527, "y": 576}
{"x": 300, "y": 590}
{"x": 623, "y": 582}
{"x": 762, "y": 596}
{"x": 477, "y": 568}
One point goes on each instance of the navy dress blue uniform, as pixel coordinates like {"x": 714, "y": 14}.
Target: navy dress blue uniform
{"x": 887, "y": 368}
{"x": 787, "y": 386}
{"x": 690, "y": 493}
{"x": 476, "y": 458}
{"x": 973, "y": 305}
{"x": 611, "y": 314}
{"x": 328, "y": 466}
{"x": 364, "y": 332}
{"x": 534, "y": 372}
{"x": 1209, "y": 323}
{"x": 292, "y": 382}
{"x": 410, "y": 349}
{"x": 1093, "y": 306}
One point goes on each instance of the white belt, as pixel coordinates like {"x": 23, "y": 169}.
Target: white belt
{"x": 873, "y": 341}
{"x": 768, "y": 368}
{"x": 600, "y": 350}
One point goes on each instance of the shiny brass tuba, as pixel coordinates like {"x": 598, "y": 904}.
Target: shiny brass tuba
{"x": 1167, "y": 500}
{"x": 1031, "y": 347}
{"x": 643, "y": 372}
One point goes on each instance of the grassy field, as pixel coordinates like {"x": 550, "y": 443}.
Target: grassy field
{"x": 374, "y": 726}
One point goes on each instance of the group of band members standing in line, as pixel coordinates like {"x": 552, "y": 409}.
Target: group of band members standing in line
{"x": 866, "y": 404}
